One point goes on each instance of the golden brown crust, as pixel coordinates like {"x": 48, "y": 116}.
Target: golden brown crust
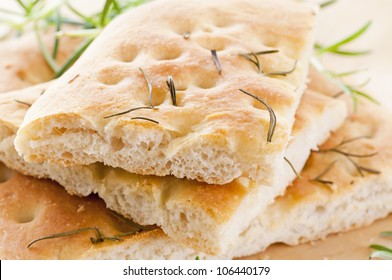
{"x": 211, "y": 110}
{"x": 22, "y": 63}
{"x": 32, "y": 208}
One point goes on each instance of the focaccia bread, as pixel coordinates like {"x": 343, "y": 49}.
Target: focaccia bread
{"x": 196, "y": 56}
{"x": 199, "y": 215}
{"x": 22, "y": 63}
{"x": 30, "y": 208}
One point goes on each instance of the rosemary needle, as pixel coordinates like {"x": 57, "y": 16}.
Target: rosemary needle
{"x": 216, "y": 61}
{"x": 283, "y": 73}
{"x": 319, "y": 177}
{"x": 272, "y": 125}
{"x": 292, "y": 168}
{"x": 128, "y": 111}
{"x": 146, "y": 119}
{"x": 22, "y": 102}
{"x": 172, "y": 89}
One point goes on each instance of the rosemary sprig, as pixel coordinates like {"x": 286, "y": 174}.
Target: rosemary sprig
{"x": 261, "y": 52}
{"x": 272, "y": 124}
{"x": 145, "y": 119}
{"x": 41, "y": 13}
{"x": 129, "y": 111}
{"x": 23, "y": 103}
{"x": 73, "y": 57}
{"x": 335, "y": 78}
{"x": 292, "y": 168}
{"x": 172, "y": 89}
{"x": 99, "y": 237}
{"x": 283, "y": 73}
{"x": 216, "y": 61}
{"x": 319, "y": 179}
{"x": 336, "y": 48}
{"x": 361, "y": 169}
{"x": 151, "y": 107}
{"x": 69, "y": 233}
{"x": 252, "y": 57}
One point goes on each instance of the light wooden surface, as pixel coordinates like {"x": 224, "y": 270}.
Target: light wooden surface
{"x": 336, "y": 22}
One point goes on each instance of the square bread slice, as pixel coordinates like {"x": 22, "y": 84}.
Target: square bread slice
{"x": 32, "y": 208}
{"x": 178, "y": 67}
{"x": 202, "y": 216}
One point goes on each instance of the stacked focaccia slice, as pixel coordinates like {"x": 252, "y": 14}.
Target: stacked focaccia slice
{"x": 166, "y": 201}
{"x": 193, "y": 89}
{"x": 309, "y": 210}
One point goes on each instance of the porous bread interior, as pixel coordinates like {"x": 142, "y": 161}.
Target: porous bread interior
{"x": 206, "y": 137}
{"x": 184, "y": 209}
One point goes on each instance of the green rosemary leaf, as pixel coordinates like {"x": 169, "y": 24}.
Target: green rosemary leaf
{"x": 105, "y": 11}
{"x": 381, "y": 255}
{"x": 364, "y": 95}
{"x": 172, "y": 89}
{"x": 128, "y": 111}
{"x": 272, "y": 124}
{"x": 91, "y": 33}
{"x": 327, "y": 3}
{"x": 63, "y": 234}
{"x": 116, "y": 6}
{"x": 336, "y": 46}
{"x": 82, "y": 47}
{"x": 380, "y": 248}
{"x": 197, "y": 258}
{"x": 146, "y": 119}
{"x": 149, "y": 87}
{"x": 45, "y": 11}
{"x": 283, "y": 73}
{"x": 58, "y": 23}
{"x": 350, "y": 53}
{"x": 49, "y": 59}
{"x": 23, "y": 103}
{"x": 24, "y": 7}
{"x": 216, "y": 61}
{"x": 293, "y": 168}
{"x": 349, "y": 73}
